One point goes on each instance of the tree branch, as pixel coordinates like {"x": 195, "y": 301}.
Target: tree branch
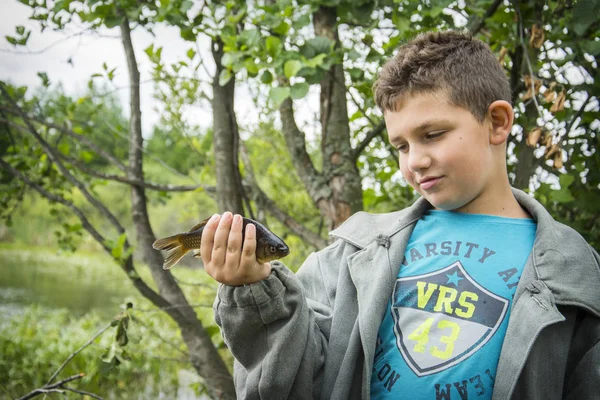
{"x": 312, "y": 179}
{"x": 127, "y": 265}
{"x": 51, "y": 388}
{"x": 577, "y": 115}
{"x": 286, "y": 219}
{"x": 52, "y": 197}
{"x": 79, "y": 350}
{"x": 80, "y": 138}
{"x": 479, "y": 22}
{"x": 143, "y": 184}
{"x": 52, "y": 155}
{"x": 82, "y": 392}
{"x": 376, "y": 131}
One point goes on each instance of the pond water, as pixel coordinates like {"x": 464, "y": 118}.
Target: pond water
{"x": 78, "y": 283}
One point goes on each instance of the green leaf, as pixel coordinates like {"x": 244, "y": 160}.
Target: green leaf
{"x": 278, "y": 95}
{"x": 44, "y": 77}
{"x": 291, "y": 68}
{"x": 282, "y": 29}
{"x": 301, "y": 21}
{"x": 317, "y": 45}
{"x": 185, "y": 6}
{"x": 591, "y": 47}
{"x": 212, "y": 330}
{"x": 566, "y": 180}
{"x": 561, "y": 196}
{"x": 191, "y": 53}
{"x": 112, "y": 20}
{"x": 224, "y": 77}
{"x": 188, "y": 34}
{"x": 316, "y": 61}
{"x": 227, "y": 60}
{"x": 585, "y": 13}
{"x": 353, "y": 55}
{"x": 273, "y": 44}
{"x": 266, "y": 77}
{"x": 251, "y": 67}
{"x": 299, "y": 90}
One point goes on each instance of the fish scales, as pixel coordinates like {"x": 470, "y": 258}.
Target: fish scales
{"x": 268, "y": 245}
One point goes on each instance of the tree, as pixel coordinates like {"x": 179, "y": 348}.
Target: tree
{"x": 288, "y": 50}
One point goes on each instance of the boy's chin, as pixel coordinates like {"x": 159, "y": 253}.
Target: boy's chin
{"x": 446, "y": 204}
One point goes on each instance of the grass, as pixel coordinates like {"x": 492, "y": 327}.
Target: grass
{"x": 55, "y": 316}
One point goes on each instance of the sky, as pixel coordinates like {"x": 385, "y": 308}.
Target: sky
{"x": 50, "y": 51}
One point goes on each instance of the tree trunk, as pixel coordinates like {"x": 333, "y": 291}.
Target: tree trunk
{"x": 339, "y": 166}
{"x": 226, "y": 140}
{"x": 204, "y": 357}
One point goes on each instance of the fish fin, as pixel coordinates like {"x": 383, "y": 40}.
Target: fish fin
{"x": 200, "y": 225}
{"x": 176, "y": 250}
{"x": 174, "y": 256}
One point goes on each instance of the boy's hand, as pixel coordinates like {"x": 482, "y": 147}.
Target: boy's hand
{"x": 223, "y": 255}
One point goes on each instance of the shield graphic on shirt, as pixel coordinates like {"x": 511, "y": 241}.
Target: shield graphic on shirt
{"x": 443, "y": 317}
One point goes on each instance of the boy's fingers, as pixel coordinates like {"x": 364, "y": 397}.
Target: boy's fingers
{"x": 220, "y": 242}
{"x": 248, "y": 258}
{"x": 234, "y": 243}
{"x": 208, "y": 236}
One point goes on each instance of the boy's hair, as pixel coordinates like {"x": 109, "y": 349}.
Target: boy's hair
{"x": 462, "y": 66}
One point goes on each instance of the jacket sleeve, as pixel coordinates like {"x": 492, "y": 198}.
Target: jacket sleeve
{"x": 584, "y": 358}
{"x": 277, "y": 330}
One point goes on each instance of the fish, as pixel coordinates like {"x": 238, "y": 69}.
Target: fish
{"x": 269, "y": 246}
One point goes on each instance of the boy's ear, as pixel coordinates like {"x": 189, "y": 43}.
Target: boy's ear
{"x": 501, "y": 116}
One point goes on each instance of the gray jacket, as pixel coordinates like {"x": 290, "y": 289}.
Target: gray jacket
{"x": 312, "y": 335}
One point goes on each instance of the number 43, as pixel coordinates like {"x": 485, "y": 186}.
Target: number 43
{"x": 421, "y": 336}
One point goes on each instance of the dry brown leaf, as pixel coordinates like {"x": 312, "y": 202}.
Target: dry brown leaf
{"x": 547, "y": 140}
{"x": 552, "y": 150}
{"x": 549, "y": 95}
{"x": 502, "y": 55}
{"x": 537, "y": 36}
{"x": 532, "y": 88}
{"x": 559, "y": 102}
{"x": 534, "y": 137}
{"x": 558, "y": 160}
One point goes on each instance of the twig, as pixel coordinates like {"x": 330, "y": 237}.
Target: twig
{"x": 52, "y": 388}
{"x": 79, "y": 350}
{"x": 577, "y": 115}
{"x": 40, "y": 51}
{"x": 124, "y": 179}
{"x": 138, "y": 321}
{"x": 193, "y": 283}
{"x": 527, "y": 61}
{"x": 478, "y": 24}
{"x": 157, "y": 309}
{"x": 145, "y": 151}
{"x": 376, "y": 131}
{"x": 83, "y": 392}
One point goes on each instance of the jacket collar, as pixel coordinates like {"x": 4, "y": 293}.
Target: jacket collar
{"x": 561, "y": 258}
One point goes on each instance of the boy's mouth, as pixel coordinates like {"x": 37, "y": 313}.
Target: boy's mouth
{"x": 428, "y": 182}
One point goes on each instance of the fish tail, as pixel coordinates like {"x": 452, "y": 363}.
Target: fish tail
{"x": 176, "y": 250}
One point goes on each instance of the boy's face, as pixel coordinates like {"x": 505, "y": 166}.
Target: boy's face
{"x": 445, "y": 153}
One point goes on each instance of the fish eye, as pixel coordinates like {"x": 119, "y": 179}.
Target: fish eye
{"x": 272, "y": 249}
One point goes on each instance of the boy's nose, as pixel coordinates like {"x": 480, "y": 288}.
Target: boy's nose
{"x": 418, "y": 160}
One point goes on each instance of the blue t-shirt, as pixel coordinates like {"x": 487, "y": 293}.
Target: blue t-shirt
{"x": 447, "y": 317}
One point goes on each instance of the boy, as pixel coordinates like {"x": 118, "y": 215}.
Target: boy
{"x": 472, "y": 292}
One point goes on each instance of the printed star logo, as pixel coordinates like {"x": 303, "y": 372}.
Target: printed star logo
{"x": 454, "y": 278}
{"x": 443, "y": 317}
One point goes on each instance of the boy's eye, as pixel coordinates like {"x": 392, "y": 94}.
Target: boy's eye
{"x": 434, "y": 135}
{"x": 402, "y": 148}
